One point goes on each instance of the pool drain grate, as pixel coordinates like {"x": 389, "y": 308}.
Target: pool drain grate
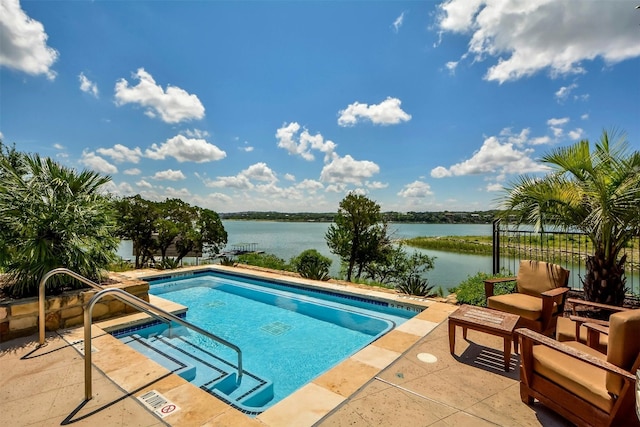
{"x": 276, "y": 328}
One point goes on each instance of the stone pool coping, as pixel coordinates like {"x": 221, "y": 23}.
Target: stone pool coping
{"x": 305, "y": 406}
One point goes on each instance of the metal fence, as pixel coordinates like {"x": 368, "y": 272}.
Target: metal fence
{"x": 568, "y": 249}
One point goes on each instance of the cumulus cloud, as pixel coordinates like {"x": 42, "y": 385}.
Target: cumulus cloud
{"x": 416, "y": 189}
{"x": 558, "y": 121}
{"x": 289, "y": 177}
{"x": 132, "y": 171}
{"x": 87, "y": 85}
{"x": 495, "y": 186}
{"x": 310, "y": 185}
{"x": 242, "y": 181}
{"x": 185, "y": 149}
{"x": 97, "y": 163}
{"x": 173, "y": 105}
{"x": 169, "y": 175}
{"x": 119, "y": 153}
{"x": 563, "y": 93}
{"x": 144, "y": 184}
{"x": 303, "y": 144}
{"x": 347, "y": 170}
{"x": 494, "y": 157}
{"x": 375, "y": 185}
{"x": 576, "y": 134}
{"x": 527, "y": 37}
{"x": 24, "y": 42}
{"x": 398, "y": 22}
{"x": 196, "y": 133}
{"x": 388, "y": 112}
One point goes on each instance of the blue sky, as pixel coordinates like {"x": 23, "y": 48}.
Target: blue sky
{"x": 288, "y": 106}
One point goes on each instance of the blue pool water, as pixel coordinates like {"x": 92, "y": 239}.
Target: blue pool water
{"x": 288, "y": 334}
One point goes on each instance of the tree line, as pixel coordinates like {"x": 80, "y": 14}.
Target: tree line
{"x": 444, "y": 217}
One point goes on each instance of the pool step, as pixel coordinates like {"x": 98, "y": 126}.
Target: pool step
{"x": 205, "y": 370}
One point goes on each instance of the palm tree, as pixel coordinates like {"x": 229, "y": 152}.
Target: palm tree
{"x": 595, "y": 192}
{"x": 52, "y": 216}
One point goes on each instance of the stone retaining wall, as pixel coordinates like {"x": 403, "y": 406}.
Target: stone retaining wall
{"x": 20, "y": 317}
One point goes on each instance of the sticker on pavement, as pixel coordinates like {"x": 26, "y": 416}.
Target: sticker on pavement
{"x": 158, "y": 404}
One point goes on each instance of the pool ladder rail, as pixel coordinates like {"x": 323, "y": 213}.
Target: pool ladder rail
{"x": 128, "y": 299}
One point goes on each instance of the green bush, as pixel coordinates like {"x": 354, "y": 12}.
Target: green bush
{"x": 415, "y": 285}
{"x": 227, "y": 261}
{"x": 471, "y": 291}
{"x": 311, "y": 264}
{"x": 264, "y": 260}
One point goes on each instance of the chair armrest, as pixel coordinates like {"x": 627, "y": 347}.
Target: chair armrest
{"x": 556, "y": 295}
{"x": 581, "y": 320}
{"x": 489, "y": 284}
{"x": 529, "y": 337}
{"x": 555, "y": 292}
{"x": 599, "y": 328}
{"x": 576, "y": 301}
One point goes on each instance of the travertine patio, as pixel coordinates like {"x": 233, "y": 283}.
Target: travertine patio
{"x": 406, "y": 378}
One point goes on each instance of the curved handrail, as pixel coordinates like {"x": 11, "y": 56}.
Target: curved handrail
{"x": 149, "y": 309}
{"x": 41, "y": 293}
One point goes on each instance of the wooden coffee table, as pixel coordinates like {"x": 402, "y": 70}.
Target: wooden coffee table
{"x": 485, "y": 320}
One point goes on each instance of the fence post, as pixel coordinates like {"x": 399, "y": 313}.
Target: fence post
{"x": 496, "y": 246}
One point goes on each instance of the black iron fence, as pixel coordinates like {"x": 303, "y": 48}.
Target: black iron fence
{"x": 568, "y": 249}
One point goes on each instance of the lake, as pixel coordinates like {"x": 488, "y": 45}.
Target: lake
{"x": 289, "y": 239}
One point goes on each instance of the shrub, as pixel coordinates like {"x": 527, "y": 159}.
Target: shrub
{"x": 169, "y": 264}
{"x": 471, "y": 291}
{"x": 264, "y": 260}
{"x": 311, "y": 264}
{"x": 415, "y": 285}
{"x": 227, "y": 261}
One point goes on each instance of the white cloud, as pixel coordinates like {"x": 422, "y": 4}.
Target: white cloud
{"x": 242, "y": 181}
{"x": 310, "y": 185}
{"x": 585, "y": 116}
{"x": 259, "y": 172}
{"x": 303, "y": 144}
{"x": 576, "y": 134}
{"x": 398, "y": 22}
{"x": 247, "y": 148}
{"x": 56, "y": 145}
{"x": 132, "y": 171}
{"x": 558, "y": 122}
{"x": 563, "y": 93}
{"x": 346, "y": 170}
{"x": 119, "y": 153}
{"x": 87, "y": 85}
{"x": 416, "y": 189}
{"x": 144, "y": 184}
{"x": 540, "y": 140}
{"x": 375, "y": 185}
{"x": 97, "y": 163}
{"x": 123, "y": 189}
{"x": 336, "y": 188}
{"x": 184, "y": 149}
{"x": 196, "y": 133}
{"x": 289, "y": 177}
{"x": 492, "y": 187}
{"x": 451, "y": 66}
{"x": 526, "y": 37}
{"x": 388, "y": 112}
{"x": 24, "y": 42}
{"x": 173, "y": 105}
{"x": 494, "y": 157}
{"x": 169, "y": 175}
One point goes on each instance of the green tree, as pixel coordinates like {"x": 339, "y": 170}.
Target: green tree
{"x": 397, "y": 266}
{"x": 597, "y": 192}
{"x": 52, "y": 216}
{"x": 136, "y": 220}
{"x": 359, "y": 234}
{"x": 311, "y": 264}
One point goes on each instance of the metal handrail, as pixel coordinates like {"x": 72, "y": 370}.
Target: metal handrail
{"x": 41, "y": 293}
{"x": 147, "y": 308}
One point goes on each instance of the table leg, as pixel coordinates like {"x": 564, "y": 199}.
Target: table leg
{"x": 507, "y": 353}
{"x": 452, "y": 337}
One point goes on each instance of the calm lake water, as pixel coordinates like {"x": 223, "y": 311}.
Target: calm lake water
{"x": 289, "y": 239}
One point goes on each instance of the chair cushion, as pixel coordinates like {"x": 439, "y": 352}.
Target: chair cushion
{"x": 585, "y": 381}
{"x": 624, "y": 345}
{"x": 536, "y": 277}
{"x": 523, "y": 305}
{"x": 566, "y": 331}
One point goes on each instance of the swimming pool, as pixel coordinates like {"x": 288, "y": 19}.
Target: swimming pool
{"x": 289, "y": 334}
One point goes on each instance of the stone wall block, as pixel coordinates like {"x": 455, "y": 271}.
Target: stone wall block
{"x": 26, "y": 322}
{"x": 53, "y": 303}
{"x": 116, "y": 307}
{"x": 99, "y": 310}
{"x": 4, "y": 313}
{"x": 70, "y": 312}
{"x": 73, "y": 321}
{"x": 24, "y": 309}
